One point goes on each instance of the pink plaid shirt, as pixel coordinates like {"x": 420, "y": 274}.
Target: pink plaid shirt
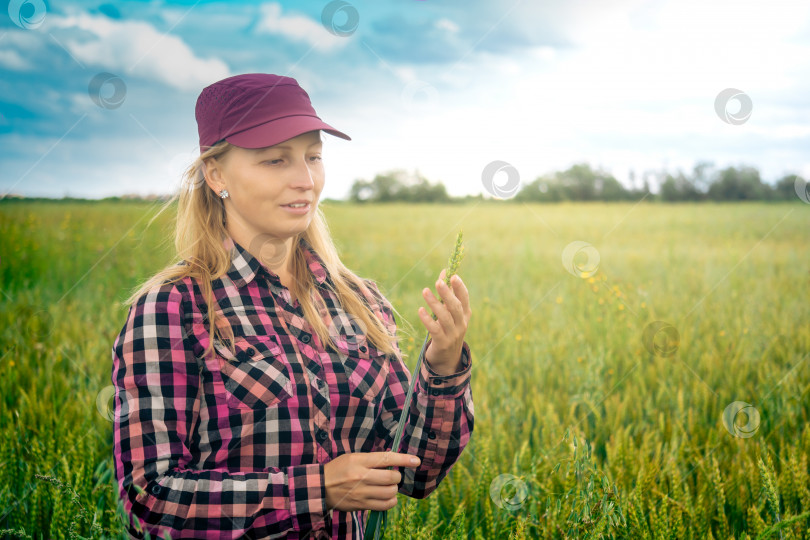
{"x": 234, "y": 445}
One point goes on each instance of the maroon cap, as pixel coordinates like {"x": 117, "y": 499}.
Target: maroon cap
{"x": 255, "y": 110}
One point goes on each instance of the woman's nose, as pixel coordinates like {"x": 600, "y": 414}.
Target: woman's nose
{"x": 303, "y": 175}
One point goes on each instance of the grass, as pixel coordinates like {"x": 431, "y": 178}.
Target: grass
{"x": 580, "y": 431}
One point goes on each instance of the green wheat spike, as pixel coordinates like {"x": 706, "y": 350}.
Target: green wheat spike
{"x": 453, "y": 262}
{"x": 375, "y": 527}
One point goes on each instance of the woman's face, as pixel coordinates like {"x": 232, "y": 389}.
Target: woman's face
{"x": 261, "y": 181}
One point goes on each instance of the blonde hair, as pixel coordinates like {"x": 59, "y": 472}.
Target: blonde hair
{"x": 199, "y": 234}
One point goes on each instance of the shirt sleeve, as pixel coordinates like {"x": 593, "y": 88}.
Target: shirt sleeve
{"x": 439, "y": 423}
{"x": 156, "y": 379}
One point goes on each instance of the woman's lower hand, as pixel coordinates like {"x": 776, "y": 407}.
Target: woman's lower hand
{"x": 362, "y": 481}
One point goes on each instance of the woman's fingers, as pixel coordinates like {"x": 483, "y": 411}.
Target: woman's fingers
{"x": 383, "y": 477}
{"x": 453, "y": 310}
{"x": 442, "y": 311}
{"x": 434, "y": 327}
{"x": 451, "y": 301}
{"x": 463, "y": 295}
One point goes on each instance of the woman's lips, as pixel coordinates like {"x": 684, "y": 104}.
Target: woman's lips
{"x": 301, "y": 210}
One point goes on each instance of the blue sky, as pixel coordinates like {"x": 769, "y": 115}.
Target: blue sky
{"x": 442, "y": 87}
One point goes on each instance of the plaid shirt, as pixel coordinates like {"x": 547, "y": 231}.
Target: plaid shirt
{"x": 234, "y": 445}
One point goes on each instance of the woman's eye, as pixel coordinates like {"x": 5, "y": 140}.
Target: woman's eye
{"x": 273, "y": 161}
{"x": 316, "y": 158}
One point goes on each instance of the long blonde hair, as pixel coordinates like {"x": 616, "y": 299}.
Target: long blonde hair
{"x": 199, "y": 234}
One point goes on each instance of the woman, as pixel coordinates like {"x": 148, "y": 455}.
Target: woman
{"x": 259, "y": 381}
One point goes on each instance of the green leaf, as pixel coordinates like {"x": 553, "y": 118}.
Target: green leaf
{"x": 375, "y": 525}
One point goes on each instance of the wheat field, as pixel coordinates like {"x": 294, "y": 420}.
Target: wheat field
{"x": 640, "y": 370}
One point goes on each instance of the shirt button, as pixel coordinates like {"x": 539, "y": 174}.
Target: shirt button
{"x": 437, "y": 381}
{"x": 305, "y": 338}
{"x": 435, "y": 392}
{"x": 432, "y": 435}
{"x": 156, "y": 489}
{"x": 250, "y": 351}
{"x": 363, "y": 348}
{"x": 322, "y": 435}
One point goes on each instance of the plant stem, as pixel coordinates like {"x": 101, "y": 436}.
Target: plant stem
{"x": 377, "y": 517}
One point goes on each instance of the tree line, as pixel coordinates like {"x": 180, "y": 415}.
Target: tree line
{"x": 581, "y": 182}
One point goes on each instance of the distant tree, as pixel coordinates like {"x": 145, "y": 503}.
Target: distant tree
{"x": 613, "y": 190}
{"x": 423, "y": 191}
{"x": 579, "y": 181}
{"x": 785, "y": 188}
{"x": 398, "y": 185}
{"x": 542, "y": 189}
{"x": 582, "y": 183}
{"x": 679, "y": 188}
{"x": 385, "y": 187}
{"x": 361, "y": 191}
{"x": 742, "y": 184}
{"x": 702, "y": 176}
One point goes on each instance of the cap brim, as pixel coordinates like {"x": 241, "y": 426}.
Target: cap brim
{"x": 280, "y": 130}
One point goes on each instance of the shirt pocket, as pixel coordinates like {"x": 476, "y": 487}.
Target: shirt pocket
{"x": 366, "y": 368}
{"x": 256, "y": 375}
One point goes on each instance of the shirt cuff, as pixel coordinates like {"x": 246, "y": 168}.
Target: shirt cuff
{"x": 446, "y": 386}
{"x": 307, "y": 491}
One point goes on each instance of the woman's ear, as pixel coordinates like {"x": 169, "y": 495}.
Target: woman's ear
{"x": 212, "y": 171}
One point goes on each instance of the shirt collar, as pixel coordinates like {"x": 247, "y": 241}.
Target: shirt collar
{"x": 245, "y": 266}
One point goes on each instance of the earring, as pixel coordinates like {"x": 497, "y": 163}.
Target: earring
{"x": 223, "y": 194}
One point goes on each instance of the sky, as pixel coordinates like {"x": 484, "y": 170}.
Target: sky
{"x": 98, "y": 99}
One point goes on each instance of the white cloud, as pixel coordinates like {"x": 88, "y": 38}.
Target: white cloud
{"x": 138, "y": 48}
{"x": 636, "y": 92}
{"x": 447, "y": 24}
{"x": 11, "y": 59}
{"x": 18, "y": 49}
{"x": 297, "y": 28}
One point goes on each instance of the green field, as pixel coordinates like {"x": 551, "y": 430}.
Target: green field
{"x": 601, "y": 435}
